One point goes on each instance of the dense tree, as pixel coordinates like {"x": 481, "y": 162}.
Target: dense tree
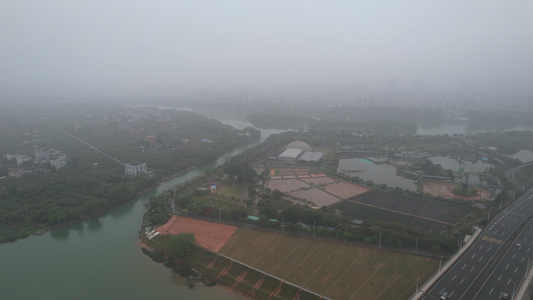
{"x": 181, "y": 245}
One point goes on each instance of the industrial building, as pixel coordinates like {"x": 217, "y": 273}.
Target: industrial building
{"x": 290, "y": 155}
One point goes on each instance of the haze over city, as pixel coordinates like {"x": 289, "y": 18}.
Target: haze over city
{"x": 126, "y": 49}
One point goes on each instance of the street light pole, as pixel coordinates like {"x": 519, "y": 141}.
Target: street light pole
{"x": 219, "y": 214}
{"x": 380, "y": 239}
{"x": 345, "y": 231}
{"x": 514, "y": 287}
{"x": 416, "y": 247}
{"x": 440, "y": 263}
{"x": 283, "y": 225}
{"x": 314, "y": 223}
{"x": 488, "y": 216}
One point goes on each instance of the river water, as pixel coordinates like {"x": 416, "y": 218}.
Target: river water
{"x": 101, "y": 258}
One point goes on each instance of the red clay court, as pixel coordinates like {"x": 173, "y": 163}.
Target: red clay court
{"x": 209, "y": 235}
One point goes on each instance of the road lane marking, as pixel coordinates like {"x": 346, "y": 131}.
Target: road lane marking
{"x": 513, "y": 256}
{"x": 507, "y": 281}
{"x": 481, "y": 247}
{"x": 516, "y": 269}
{"x": 500, "y": 277}
{"x": 462, "y": 281}
{"x": 475, "y": 267}
{"x": 492, "y": 289}
{"x": 473, "y": 256}
{"x": 454, "y": 277}
{"x": 507, "y": 266}
{"x": 463, "y": 266}
{"x": 480, "y": 258}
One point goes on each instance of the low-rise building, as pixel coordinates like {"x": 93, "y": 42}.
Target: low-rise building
{"x": 59, "y": 161}
{"x": 135, "y": 168}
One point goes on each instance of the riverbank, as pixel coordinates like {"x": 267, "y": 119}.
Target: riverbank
{"x": 237, "y": 276}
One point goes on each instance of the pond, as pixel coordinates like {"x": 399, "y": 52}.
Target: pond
{"x": 378, "y": 173}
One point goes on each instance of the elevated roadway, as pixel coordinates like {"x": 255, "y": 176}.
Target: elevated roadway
{"x": 498, "y": 262}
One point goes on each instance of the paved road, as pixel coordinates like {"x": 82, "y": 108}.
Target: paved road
{"x": 461, "y": 280}
{"x": 511, "y": 175}
{"x": 511, "y": 270}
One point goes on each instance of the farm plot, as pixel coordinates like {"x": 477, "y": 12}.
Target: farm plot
{"x": 319, "y": 180}
{"x": 445, "y": 189}
{"x": 363, "y": 212}
{"x": 286, "y": 185}
{"x": 335, "y": 270}
{"x": 431, "y": 209}
{"x": 317, "y": 196}
{"x": 345, "y": 190}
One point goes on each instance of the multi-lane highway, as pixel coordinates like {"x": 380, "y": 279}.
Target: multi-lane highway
{"x": 494, "y": 256}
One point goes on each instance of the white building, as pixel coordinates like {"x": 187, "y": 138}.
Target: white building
{"x": 59, "y": 161}
{"x": 43, "y": 154}
{"x": 135, "y": 168}
{"x": 290, "y": 155}
{"x": 22, "y": 158}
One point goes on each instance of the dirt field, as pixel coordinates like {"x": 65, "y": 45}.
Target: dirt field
{"x": 319, "y": 180}
{"x": 445, "y": 189}
{"x": 286, "y": 185}
{"x": 294, "y": 173}
{"x": 345, "y": 190}
{"x": 318, "y": 197}
{"x": 209, "y": 235}
{"x": 335, "y": 270}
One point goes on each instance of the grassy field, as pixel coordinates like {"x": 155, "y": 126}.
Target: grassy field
{"x": 234, "y": 190}
{"x": 335, "y": 270}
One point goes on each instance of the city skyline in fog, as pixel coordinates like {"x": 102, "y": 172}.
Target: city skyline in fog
{"x": 124, "y": 48}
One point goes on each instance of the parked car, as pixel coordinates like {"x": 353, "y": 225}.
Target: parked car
{"x": 444, "y": 296}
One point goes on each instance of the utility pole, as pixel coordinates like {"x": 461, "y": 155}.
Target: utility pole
{"x": 416, "y": 247}
{"x": 345, "y": 230}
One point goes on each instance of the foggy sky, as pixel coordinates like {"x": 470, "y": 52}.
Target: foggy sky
{"x": 141, "y": 47}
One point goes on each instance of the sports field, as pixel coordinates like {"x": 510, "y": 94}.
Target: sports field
{"x": 332, "y": 269}
{"x": 209, "y": 235}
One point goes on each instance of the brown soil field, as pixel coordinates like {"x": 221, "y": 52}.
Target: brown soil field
{"x": 209, "y": 235}
{"x": 318, "y": 197}
{"x": 345, "y": 190}
{"x": 286, "y": 185}
{"x": 445, "y": 189}
{"x": 332, "y": 269}
{"x": 319, "y": 180}
{"x": 295, "y": 173}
